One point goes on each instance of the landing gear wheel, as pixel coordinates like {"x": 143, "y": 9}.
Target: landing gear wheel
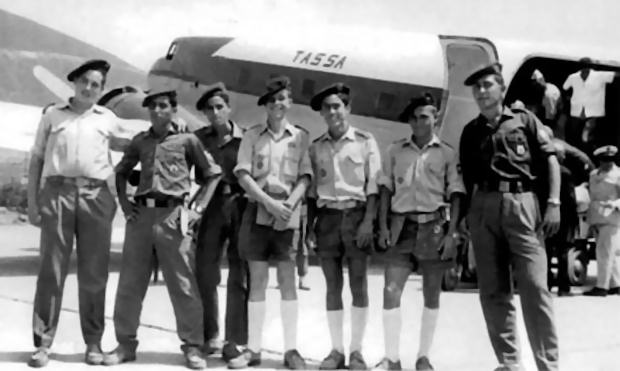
{"x": 451, "y": 278}
{"x": 577, "y": 261}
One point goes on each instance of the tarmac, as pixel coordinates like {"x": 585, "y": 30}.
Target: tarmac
{"x": 588, "y": 328}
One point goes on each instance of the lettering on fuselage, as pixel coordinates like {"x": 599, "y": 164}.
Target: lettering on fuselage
{"x": 320, "y": 59}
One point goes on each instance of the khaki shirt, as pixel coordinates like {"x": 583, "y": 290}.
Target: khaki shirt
{"x": 275, "y": 163}
{"x": 604, "y": 187}
{"x": 345, "y": 169}
{"x": 421, "y": 179}
{"x": 166, "y": 162}
{"x": 78, "y": 145}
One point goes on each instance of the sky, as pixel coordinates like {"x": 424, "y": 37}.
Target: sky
{"x": 140, "y": 31}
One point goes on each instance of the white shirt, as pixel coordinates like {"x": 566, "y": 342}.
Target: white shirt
{"x": 588, "y": 95}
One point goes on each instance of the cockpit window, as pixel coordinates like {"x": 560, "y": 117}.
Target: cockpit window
{"x": 171, "y": 51}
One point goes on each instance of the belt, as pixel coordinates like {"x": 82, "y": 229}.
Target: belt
{"x": 343, "y": 205}
{"x": 80, "y": 181}
{"x": 506, "y": 186}
{"x": 159, "y": 202}
{"x": 422, "y": 218}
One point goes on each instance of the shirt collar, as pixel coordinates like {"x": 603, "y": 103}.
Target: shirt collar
{"x": 94, "y": 108}
{"x": 287, "y": 128}
{"x": 506, "y": 113}
{"x": 348, "y": 135}
{"x": 173, "y": 129}
{"x": 434, "y": 142}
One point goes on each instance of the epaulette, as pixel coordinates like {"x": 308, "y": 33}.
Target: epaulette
{"x": 255, "y": 127}
{"x": 362, "y": 133}
{"x": 48, "y": 106}
{"x": 141, "y": 134}
{"x": 302, "y": 129}
{"x": 321, "y": 137}
{"x": 447, "y": 144}
{"x": 102, "y": 110}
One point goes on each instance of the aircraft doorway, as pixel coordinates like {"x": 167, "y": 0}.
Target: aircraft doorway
{"x": 556, "y": 71}
{"x": 462, "y": 55}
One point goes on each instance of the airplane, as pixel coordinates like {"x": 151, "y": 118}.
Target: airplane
{"x": 384, "y": 69}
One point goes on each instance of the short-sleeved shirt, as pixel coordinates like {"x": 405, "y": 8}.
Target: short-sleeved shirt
{"x": 274, "y": 162}
{"x": 604, "y": 186}
{"x": 345, "y": 169}
{"x": 166, "y": 162}
{"x": 224, "y": 154}
{"x": 75, "y": 144}
{"x": 421, "y": 179}
{"x": 524, "y": 133}
{"x": 589, "y": 95}
{"x": 550, "y": 100}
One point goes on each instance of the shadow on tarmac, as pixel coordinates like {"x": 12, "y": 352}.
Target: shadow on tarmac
{"x": 28, "y": 264}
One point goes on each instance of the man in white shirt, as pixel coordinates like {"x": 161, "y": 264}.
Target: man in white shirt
{"x": 587, "y": 102}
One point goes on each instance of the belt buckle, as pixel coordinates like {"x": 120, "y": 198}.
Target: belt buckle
{"x": 504, "y": 186}
{"x": 150, "y": 202}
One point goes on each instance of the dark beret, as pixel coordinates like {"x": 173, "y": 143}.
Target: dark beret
{"x": 274, "y": 86}
{"x": 339, "y": 88}
{"x": 425, "y": 99}
{"x": 218, "y": 90}
{"x": 493, "y": 69}
{"x": 152, "y": 95}
{"x": 94, "y": 64}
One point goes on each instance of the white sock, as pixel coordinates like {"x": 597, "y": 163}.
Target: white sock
{"x": 256, "y": 319}
{"x": 427, "y": 330}
{"x": 391, "y": 333}
{"x": 288, "y": 311}
{"x": 359, "y": 318}
{"x": 334, "y": 322}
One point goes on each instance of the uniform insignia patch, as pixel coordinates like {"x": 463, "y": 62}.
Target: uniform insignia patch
{"x": 520, "y": 149}
{"x": 458, "y": 168}
{"x": 400, "y": 180}
{"x": 437, "y": 229}
{"x": 174, "y": 168}
{"x": 292, "y": 145}
{"x": 259, "y": 165}
{"x": 323, "y": 173}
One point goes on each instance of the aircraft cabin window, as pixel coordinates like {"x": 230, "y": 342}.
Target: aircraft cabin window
{"x": 171, "y": 51}
{"x": 307, "y": 88}
{"x": 385, "y": 102}
{"x": 244, "y": 77}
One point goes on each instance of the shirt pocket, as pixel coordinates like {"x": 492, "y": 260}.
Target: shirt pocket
{"x": 260, "y": 162}
{"x": 172, "y": 162}
{"x": 403, "y": 173}
{"x": 352, "y": 167}
{"x": 323, "y": 173}
{"x": 290, "y": 164}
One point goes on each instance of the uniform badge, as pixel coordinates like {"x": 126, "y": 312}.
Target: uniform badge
{"x": 174, "y": 168}
{"x": 520, "y": 149}
{"x": 259, "y": 165}
{"x": 437, "y": 229}
{"x": 400, "y": 180}
{"x": 323, "y": 173}
{"x": 292, "y": 145}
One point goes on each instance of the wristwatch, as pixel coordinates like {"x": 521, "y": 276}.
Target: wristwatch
{"x": 554, "y": 201}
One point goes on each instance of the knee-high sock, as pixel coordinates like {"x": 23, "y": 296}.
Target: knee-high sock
{"x": 427, "y": 330}
{"x": 391, "y": 333}
{"x": 256, "y": 319}
{"x": 289, "y": 313}
{"x": 334, "y": 322}
{"x": 359, "y": 318}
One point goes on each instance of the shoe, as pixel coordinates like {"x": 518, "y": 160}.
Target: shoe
{"x": 333, "y": 361}
{"x": 386, "y": 364}
{"x": 302, "y": 284}
{"x": 356, "y": 361}
{"x": 423, "y": 364}
{"x": 230, "y": 350}
{"x": 614, "y": 291}
{"x": 247, "y": 358}
{"x": 93, "y": 355}
{"x": 118, "y": 356}
{"x": 596, "y": 291}
{"x": 293, "y": 360}
{"x": 194, "y": 358}
{"x": 40, "y": 357}
{"x": 564, "y": 293}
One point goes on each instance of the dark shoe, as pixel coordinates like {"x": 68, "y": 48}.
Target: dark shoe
{"x": 212, "y": 346}
{"x": 293, "y": 360}
{"x": 118, "y": 356}
{"x": 386, "y": 364}
{"x": 596, "y": 291}
{"x": 302, "y": 284}
{"x": 564, "y": 293}
{"x": 356, "y": 361}
{"x": 423, "y": 364}
{"x": 93, "y": 355}
{"x": 230, "y": 350}
{"x": 39, "y": 358}
{"x": 333, "y": 361}
{"x": 247, "y": 358}
{"x": 614, "y": 291}
{"x": 194, "y": 358}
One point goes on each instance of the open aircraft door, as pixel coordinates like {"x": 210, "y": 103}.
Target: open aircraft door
{"x": 461, "y": 56}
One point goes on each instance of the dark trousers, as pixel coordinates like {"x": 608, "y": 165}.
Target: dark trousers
{"x": 158, "y": 227}
{"x": 219, "y": 228}
{"x": 85, "y": 213}
{"x": 503, "y": 229}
